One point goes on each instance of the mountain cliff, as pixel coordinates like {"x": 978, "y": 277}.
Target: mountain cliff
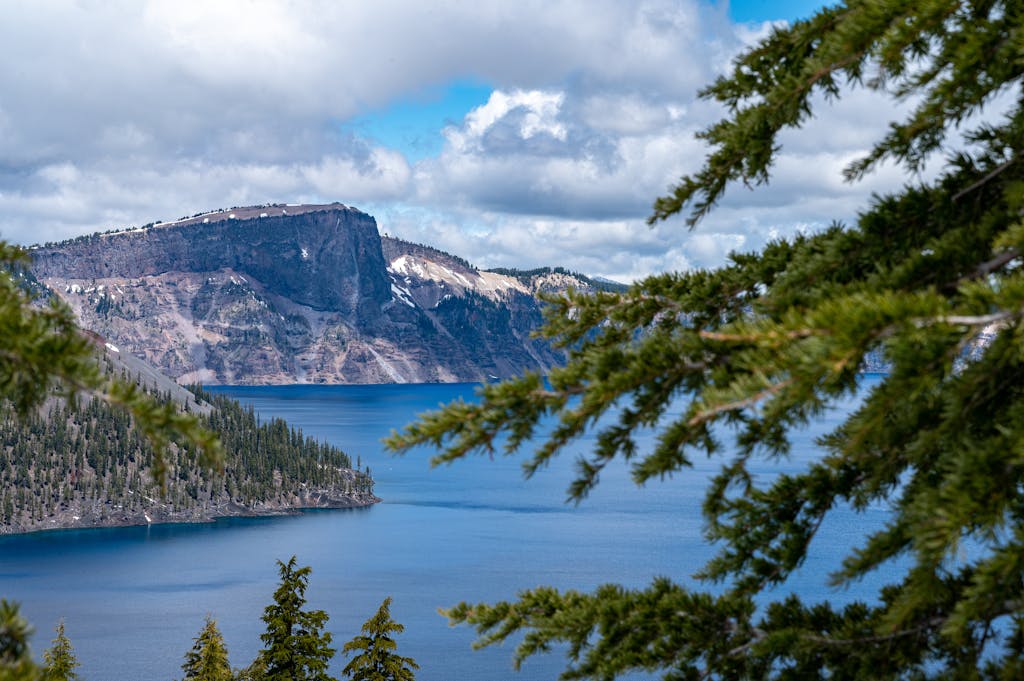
{"x": 284, "y": 294}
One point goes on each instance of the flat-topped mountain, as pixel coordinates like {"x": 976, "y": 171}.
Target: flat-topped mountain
{"x": 283, "y": 293}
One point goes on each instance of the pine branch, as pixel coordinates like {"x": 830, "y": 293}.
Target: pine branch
{"x": 984, "y": 180}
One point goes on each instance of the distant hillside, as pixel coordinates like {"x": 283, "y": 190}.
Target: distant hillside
{"x": 83, "y": 464}
{"x": 297, "y": 294}
{"x": 559, "y": 279}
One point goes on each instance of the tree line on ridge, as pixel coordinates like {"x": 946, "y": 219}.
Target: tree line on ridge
{"x": 87, "y": 457}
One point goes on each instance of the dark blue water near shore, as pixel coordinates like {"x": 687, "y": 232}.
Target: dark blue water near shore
{"x": 133, "y": 598}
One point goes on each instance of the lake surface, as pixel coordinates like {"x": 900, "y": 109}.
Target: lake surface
{"x": 133, "y": 598}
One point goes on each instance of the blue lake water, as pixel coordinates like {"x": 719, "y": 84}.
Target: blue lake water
{"x": 133, "y": 598}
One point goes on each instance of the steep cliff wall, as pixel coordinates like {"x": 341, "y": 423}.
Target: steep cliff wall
{"x": 278, "y": 294}
{"x": 327, "y": 259}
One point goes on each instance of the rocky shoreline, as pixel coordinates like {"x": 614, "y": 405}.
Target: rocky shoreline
{"x": 95, "y": 514}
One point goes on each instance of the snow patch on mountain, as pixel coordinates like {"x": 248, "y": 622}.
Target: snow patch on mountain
{"x": 489, "y": 284}
{"x": 402, "y": 295}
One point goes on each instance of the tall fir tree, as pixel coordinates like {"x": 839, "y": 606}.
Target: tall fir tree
{"x": 208, "y": 659}
{"x": 376, "y": 659}
{"x": 296, "y": 648}
{"x": 725, "y": 363}
{"x": 59, "y": 661}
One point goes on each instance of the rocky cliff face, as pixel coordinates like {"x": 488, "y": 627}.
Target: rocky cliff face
{"x": 327, "y": 259}
{"x": 283, "y": 294}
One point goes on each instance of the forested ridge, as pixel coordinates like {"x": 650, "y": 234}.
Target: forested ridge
{"x": 82, "y": 463}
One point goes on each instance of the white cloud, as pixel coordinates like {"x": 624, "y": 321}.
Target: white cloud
{"x": 537, "y": 115}
{"x": 544, "y": 154}
{"x": 121, "y": 113}
{"x": 384, "y": 175}
{"x": 62, "y": 200}
{"x": 627, "y": 114}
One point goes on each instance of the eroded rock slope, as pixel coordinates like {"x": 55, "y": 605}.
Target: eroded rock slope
{"x": 283, "y": 294}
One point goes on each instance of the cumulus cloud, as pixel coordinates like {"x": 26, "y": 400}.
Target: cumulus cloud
{"x": 540, "y": 153}
{"x": 61, "y": 200}
{"x": 126, "y": 112}
{"x": 618, "y": 249}
{"x": 526, "y": 116}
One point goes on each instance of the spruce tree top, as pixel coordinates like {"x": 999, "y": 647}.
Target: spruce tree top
{"x": 929, "y": 280}
{"x": 59, "y": 661}
{"x": 208, "y": 659}
{"x": 296, "y": 648}
{"x": 377, "y": 659}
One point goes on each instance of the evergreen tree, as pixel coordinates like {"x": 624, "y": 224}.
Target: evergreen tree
{"x": 257, "y": 671}
{"x": 295, "y": 648}
{"x": 208, "y": 659}
{"x": 15, "y": 656}
{"x": 377, "y": 660}
{"x": 42, "y": 353}
{"x": 726, "y": 363}
{"x": 59, "y": 660}
{"x": 74, "y": 452}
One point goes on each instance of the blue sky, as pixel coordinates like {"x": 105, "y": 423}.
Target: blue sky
{"x": 771, "y": 10}
{"x": 413, "y": 124}
{"x": 513, "y": 134}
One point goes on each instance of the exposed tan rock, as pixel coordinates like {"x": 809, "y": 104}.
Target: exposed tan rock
{"x": 296, "y": 294}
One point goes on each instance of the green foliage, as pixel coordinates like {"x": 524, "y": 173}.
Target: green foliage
{"x": 43, "y": 353}
{"x": 15, "y": 656}
{"x": 16, "y": 663}
{"x": 208, "y": 659}
{"x": 257, "y": 671}
{"x": 79, "y": 456}
{"x": 264, "y": 457}
{"x": 954, "y": 56}
{"x": 42, "y": 349}
{"x": 295, "y": 647}
{"x": 929, "y": 278}
{"x": 376, "y": 659}
{"x": 59, "y": 660}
